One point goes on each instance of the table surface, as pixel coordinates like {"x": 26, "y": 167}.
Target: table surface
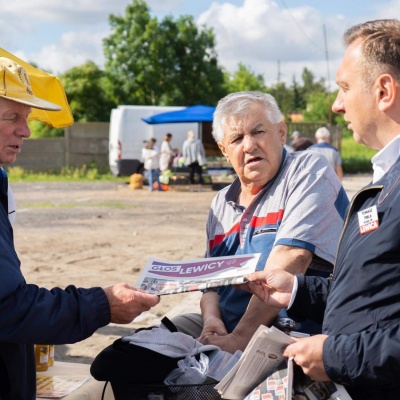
{"x": 90, "y": 390}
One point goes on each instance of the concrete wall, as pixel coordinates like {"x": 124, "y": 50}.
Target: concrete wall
{"x": 87, "y": 144}
{"x": 82, "y": 144}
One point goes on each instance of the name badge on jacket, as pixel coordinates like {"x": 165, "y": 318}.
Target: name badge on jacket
{"x": 368, "y": 220}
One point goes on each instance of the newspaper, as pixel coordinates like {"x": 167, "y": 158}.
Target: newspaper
{"x": 261, "y": 357}
{"x": 169, "y": 277}
{"x": 262, "y": 372}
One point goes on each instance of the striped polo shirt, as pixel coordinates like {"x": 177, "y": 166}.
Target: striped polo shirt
{"x": 302, "y": 206}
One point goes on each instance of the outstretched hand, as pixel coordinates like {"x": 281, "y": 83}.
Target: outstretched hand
{"x": 273, "y": 287}
{"x": 127, "y": 302}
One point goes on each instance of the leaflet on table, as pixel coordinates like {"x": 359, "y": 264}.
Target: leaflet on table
{"x": 55, "y": 387}
{"x": 169, "y": 277}
{"x": 263, "y": 373}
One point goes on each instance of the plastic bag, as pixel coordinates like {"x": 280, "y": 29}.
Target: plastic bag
{"x": 189, "y": 371}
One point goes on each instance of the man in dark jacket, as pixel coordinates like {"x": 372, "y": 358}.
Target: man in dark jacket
{"x": 360, "y": 303}
{"x": 29, "y": 314}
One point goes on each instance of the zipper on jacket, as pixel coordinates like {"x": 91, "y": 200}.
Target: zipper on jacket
{"x": 349, "y": 212}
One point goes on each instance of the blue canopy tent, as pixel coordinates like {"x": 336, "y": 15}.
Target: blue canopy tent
{"x": 197, "y": 113}
{"x": 201, "y": 114}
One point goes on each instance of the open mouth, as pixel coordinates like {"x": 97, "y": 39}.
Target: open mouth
{"x": 252, "y": 160}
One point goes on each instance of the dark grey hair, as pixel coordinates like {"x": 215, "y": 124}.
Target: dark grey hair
{"x": 380, "y": 47}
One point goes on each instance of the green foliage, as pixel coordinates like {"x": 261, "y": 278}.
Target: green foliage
{"x": 319, "y": 109}
{"x": 88, "y": 92}
{"x": 296, "y": 98}
{"x": 243, "y": 79}
{"x": 168, "y": 63}
{"x": 298, "y": 102}
{"x": 310, "y": 86}
{"x": 41, "y": 130}
{"x": 284, "y": 97}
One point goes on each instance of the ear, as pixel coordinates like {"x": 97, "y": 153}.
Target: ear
{"x": 386, "y": 89}
{"x": 282, "y": 129}
{"x": 222, "y": 148}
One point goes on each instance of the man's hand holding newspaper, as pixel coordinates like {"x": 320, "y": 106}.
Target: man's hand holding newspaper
{"x": 170, "y": 277}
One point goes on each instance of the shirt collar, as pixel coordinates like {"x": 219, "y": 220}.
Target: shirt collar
{"x": 385, "y": 158}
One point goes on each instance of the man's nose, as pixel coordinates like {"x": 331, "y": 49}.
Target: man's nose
{"x": 23, "y": 129}
{"x": 337, "y": 106}
{"x": 249, "y": 143}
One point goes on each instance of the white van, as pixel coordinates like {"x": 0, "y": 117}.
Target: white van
{"x": 129, "y": 133}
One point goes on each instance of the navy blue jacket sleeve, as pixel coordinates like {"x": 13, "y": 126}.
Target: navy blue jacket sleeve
{"x": 367, "y": 358}
{"x": 29, "y": 314}
{"x": 310, "y": 299}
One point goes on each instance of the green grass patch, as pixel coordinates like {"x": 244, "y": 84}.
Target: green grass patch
{"x": 82, "y": 174}
{"x": 52, "y": 204}
{"x": 356, "y": 157}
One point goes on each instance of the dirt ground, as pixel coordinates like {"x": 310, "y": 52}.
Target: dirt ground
{"x": 98, "y": 234}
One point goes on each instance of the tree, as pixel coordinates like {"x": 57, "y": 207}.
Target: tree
{"x": 298, "y": 103}
{"x": 319, "y": 109}
{"x": 88, "y": 94}
{"x": 309, "y": 85}
{"x": 283, "y": 95}
{"x": 244, "y": 79}
{"x": 168, "y": 63}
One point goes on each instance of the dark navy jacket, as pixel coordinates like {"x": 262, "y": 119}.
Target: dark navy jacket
{"x": 362, "y": 315}
{"x": 29, "y": 314}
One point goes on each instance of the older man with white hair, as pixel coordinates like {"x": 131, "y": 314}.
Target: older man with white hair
{"x": 323, "y": 146}
{"x": 287, "y": 206}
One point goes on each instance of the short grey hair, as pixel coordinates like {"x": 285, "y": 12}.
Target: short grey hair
{"x": 235, "y": 104}
{"x": 322, "y": 133}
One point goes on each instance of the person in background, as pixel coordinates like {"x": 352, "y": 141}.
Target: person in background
{"x": 151, "y": 160}
{"x": 287, "y": 206}
{"x": 360, "y": 303}
{"x": 302, "y": 143}
{"x": 195, "y": 157}
{"x": 323, "y": 146}
{"x": 294, "y": 137}
{"x": 30, "y": 314}
{"x": 167, "y": 153}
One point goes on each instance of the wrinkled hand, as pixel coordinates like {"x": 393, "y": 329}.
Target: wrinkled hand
{"x": 127, "y": 302}
{"x": 229, "y": 343}
{"x": 212, "y": 327}
{"x": 273, "y": 287}
{"x": 307, "y": 353}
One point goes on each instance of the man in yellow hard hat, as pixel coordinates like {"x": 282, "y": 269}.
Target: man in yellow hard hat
{"x": 30, "y": 314}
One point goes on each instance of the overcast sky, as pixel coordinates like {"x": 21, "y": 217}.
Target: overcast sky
{"x": 274, "y": 38}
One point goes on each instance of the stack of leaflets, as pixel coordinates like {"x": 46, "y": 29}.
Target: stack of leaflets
{"x": 262, "y": 372}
